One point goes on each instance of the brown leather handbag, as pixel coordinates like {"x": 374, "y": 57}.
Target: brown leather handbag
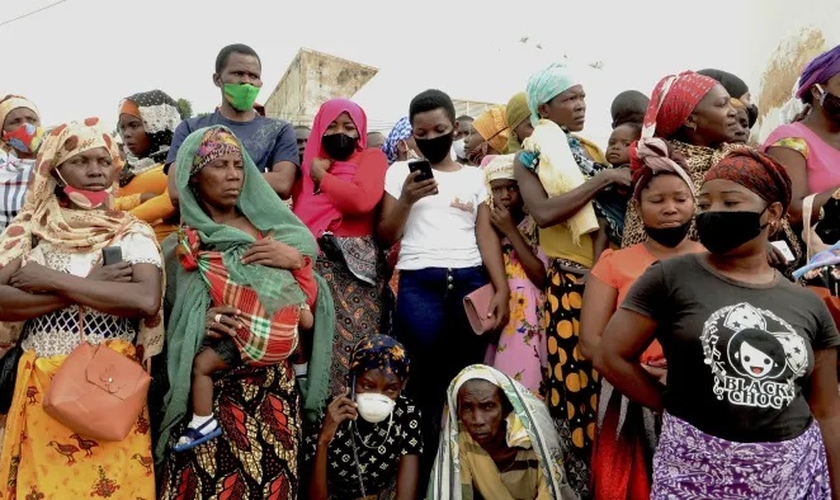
{"x": 97, "y": 392}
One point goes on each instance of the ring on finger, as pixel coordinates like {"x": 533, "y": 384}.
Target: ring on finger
{"x": 217, "y": 318}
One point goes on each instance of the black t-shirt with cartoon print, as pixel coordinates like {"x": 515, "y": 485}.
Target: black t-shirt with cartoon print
{"x": 738, "y": 354}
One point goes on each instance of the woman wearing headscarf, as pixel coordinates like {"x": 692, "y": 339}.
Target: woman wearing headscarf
{"x": 20, "y": 137}
{"x": 518, "y": 118}
{"x": 147, "y": 121}
{"x": 399, "y": 145}
{"x": 233, "y": 211}
{"x": 626, "y": 434}
{"x": 695, "y": 114}
{"x": 369, "y": 444}
{"x": 55, "y": 293}
{"x": 498, "y": 442}
{"x": 341, "y": 186}
{"x": 751, "y": 408}
{"x": 810, "y": 149}
{"x": 488, "y": 135}
{"x": 558, "y": 178}
{"x": 737, "y": 89}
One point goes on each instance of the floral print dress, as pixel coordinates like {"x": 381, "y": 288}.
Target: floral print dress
{"x": 521, "y": 351}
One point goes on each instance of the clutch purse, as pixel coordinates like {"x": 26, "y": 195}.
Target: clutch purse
{"x": 477, "y": 307}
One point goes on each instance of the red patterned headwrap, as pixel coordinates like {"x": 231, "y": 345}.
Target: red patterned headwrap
{"x": 755, "y": 171}
{"x": 673, "y": 100}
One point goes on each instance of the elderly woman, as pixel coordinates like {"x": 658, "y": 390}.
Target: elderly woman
{"x": 810, "y": 149}
{"x": 236, "y": 213}
{"x": 564, "y": 213}
{"x": 488, "y": 135}
{"x": 737, "y": 89}
{"x": 20, "y": 138}
{"x": 337, "y": 197}
{"x": 626, "y": 437}
{"x": 54, "y": 285}
{"x": 369, "y": 444}
{"x": 147, "y": 121}
{"x": 498, "y": 442}
{"x": 751, "y": 408}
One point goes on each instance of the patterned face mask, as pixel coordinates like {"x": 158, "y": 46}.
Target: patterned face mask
{"x": 26, "y": 138}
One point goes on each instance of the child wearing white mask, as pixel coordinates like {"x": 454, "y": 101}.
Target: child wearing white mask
{"x": 370, "y": 437}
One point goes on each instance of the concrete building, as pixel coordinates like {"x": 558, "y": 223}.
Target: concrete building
{"x": 312, "y": 78}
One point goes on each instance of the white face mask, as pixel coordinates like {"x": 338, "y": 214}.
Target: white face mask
{"x": 459, "y": 147}
{"x": 374, "y": 407}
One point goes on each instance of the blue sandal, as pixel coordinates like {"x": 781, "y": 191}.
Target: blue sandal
{"x": 196, "y": 437}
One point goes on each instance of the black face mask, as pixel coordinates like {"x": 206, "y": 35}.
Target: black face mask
{"x": 339, "y": 146}
{"x": 722, "y": 232}
{"x": 437, "y": 149}
{"x": 668, "y": 237}
{"x": 831, "y": 104}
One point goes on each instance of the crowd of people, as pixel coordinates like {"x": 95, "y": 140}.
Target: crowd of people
{"x": 489, "y": 307}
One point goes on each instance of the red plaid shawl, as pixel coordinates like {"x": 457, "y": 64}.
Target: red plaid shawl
{"x": 262, "y": 340}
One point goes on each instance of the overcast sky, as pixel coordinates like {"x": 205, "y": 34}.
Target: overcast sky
{"x": 81, "y": 57}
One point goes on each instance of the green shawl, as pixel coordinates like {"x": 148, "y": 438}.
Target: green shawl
{"x": 190, "y": 297}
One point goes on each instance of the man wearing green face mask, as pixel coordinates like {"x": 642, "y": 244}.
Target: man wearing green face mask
{"x": 271, "y": 143}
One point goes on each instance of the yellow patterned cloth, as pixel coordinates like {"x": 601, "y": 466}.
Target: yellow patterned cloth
{"x": 42, "y": 459}
{"x": 797, "y": 144}
{"x": 573, "y": 384}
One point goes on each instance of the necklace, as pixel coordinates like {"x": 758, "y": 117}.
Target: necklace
{"x": 384, "y": 440}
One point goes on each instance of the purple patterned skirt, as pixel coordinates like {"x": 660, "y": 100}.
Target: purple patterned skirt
{"x": 690, "y": 464}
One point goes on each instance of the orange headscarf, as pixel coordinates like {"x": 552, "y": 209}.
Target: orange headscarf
{"x": 493, "y": 127}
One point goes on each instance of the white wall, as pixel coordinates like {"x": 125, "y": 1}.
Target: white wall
{"x": 785, "y": 37}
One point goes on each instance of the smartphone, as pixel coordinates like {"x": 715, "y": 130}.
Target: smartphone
{"x": 424, "y": 167}
{"x": 785, "y": 249}
{"x": 353, "y": 388}
{"x": 111, "y": 255}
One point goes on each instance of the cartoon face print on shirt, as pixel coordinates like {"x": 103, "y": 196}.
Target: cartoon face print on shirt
{"x": 755, "y": 356}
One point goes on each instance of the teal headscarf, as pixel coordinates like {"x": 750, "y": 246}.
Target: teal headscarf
{"x": 545, "y": 85}
{"x": 186, "y": 327}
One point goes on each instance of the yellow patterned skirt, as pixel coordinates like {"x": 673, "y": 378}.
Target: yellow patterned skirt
{"x": 42, "y": 459}
{"x": 573, "y": 385}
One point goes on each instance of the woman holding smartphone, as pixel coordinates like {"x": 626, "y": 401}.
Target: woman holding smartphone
{"x": 55, "y": 293}
{"x": 449, "y": 249}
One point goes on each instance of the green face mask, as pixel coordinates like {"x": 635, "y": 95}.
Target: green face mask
{"x": 241, "y": 95}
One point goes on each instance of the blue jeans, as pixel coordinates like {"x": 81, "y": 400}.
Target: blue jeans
{"x": 433, "y": 327}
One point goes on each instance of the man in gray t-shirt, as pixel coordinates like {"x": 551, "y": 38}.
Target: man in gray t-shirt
{"x": 270, "y": 143}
